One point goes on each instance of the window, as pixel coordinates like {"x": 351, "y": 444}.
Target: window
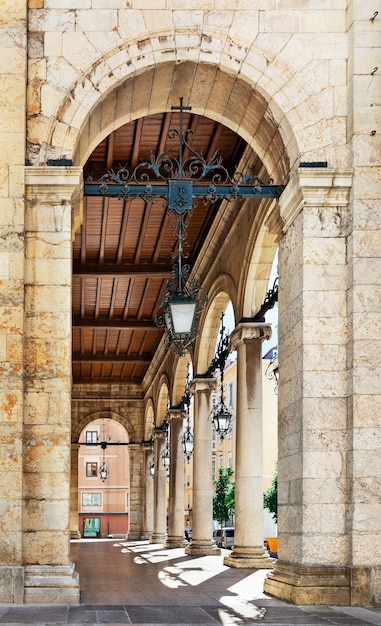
{"x": 91, "y": 469}
{"x": 231, "y": 394}
{"x": 214, "y": 439}
{"x": 230, "y": 431}
{"x": 230, "y": 459}
{"x": 213, "y": 468}
{"x": 91, "y": 499}
{"x": 91, "y": 436}
{"x": 221, "y": 461}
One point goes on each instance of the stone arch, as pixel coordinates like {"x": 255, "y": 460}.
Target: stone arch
{"x": 250, "y": 116}
{"x": 221, "y": 293}
{"x": 149, "y": 419}
{"x": 88, "y": 99}
{"x": 260, "y": 252}
{"x": 259, "y": 96}
{"x": 162, "y": 400}
{"x": 179, "y": 378}
{"x": 107, "y": 414}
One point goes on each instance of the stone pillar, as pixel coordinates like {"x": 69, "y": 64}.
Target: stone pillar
{"x": 176, "y": 482}
{"x": 202, "y": 529}
{"x": 364, "y": 308}
{"x": 135, "y": 516}
{"x": 313, "y": 539}
{"x": 50, "y": 194}
{"x": 159, "y": 534}
{"x": 147, "y": 495}
{"x": 248, "y": 548}
{"x": 12, "y": 258}
{"x": 74, "y": 530}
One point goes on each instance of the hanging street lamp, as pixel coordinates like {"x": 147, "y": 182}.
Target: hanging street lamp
{"x": 151, "y": 469}
{"x": 165, "y": 456}
{"x": 187, "y": 438}
{"x": 220, "y": 416}
{"x": 103, "y": 470}
{"x": 183, "y": 298}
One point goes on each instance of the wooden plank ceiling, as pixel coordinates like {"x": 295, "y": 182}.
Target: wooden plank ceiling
{"x": 123, "y": 254}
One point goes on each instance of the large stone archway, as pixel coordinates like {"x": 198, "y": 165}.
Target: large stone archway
{"x": 291, "y": 83}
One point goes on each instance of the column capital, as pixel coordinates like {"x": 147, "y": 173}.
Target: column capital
{"x": 249, "y": 331}
{"x": 198, "y": 385}
{"x": 176, "y": 413}
{"x": 314, "y": 187}
{"x": 64, "y": 180}
{"x": 159, "y": 433}
{"x": 54, "y": 186}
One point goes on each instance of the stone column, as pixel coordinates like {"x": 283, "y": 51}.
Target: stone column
{"x": 74, "y": 530}
{"x": 202, "y": 529}
{"x": 135, "y": 516}
{"x": 313, "y": 540}
{"x": 176, "y": 482}
{"x": 159, "y": 534}
{"x": 147, "y": 495}
{"x": 50, "y": 195}
{"x": 248, "y": 548}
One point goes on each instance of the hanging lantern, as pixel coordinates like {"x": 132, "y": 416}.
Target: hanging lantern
{"x": 103, "y": 472}
{"x": 220, "y": 416}
{"x": 187, "y": 438}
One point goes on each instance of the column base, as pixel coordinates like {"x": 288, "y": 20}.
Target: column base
{"x": 145, "y": 536}
{"x": 301, "y": 584}
{"x": 133, "y": 536}
{"x": 75, "y": 534}
{"x": 47, "y": 584}
{"x": 11, "y": 584}
{"x": 158, "y": 538}
{"x": 176, "y": 542}
{"x": 202, "y": 548}
{"x": 253, "y": 558}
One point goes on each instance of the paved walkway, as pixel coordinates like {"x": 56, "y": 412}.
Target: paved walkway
{"x": 138, "y": 583}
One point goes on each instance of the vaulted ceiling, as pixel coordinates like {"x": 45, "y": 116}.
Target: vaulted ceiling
{"x": 124, "y": 252}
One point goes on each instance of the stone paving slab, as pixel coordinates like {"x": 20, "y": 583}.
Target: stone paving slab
{"x": 156, "y": 615}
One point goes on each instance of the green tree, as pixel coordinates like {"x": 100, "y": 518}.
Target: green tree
{"x": 223, "y": 500}
{"x": 270, "y": 497}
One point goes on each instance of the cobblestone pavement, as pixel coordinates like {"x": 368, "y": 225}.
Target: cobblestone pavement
{"x": 139, "y": 583}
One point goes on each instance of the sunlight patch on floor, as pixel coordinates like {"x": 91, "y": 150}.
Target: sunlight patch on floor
{"x": 193, "y": 572}
{"x": 251, "y": 587}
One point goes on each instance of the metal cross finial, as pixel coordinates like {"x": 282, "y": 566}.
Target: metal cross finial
{"x": 181, "y": 108}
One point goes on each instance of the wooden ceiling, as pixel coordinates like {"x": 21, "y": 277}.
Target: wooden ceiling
{"x": 124, "y": 252}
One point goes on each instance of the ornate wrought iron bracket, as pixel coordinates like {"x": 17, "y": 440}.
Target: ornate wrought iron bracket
{"x": 178, "y": 181}
{"x": 268, "y": 303}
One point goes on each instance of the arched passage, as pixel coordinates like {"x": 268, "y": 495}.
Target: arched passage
{"x": 103, "y": 479}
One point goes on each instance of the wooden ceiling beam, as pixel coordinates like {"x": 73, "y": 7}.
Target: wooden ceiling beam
{"x": 127, "y": 270}
{"x": 88, "y": 380}
{"x": 78, "y": 357}
{"x": 114, "y": 323}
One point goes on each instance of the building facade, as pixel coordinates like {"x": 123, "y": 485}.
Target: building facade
{"x": 300, "y": 86}
{"x": 103, "y": 480}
